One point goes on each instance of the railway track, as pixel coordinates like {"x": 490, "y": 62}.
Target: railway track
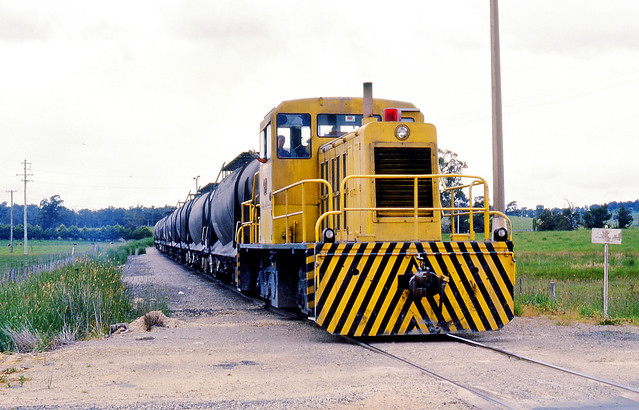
{"x": 469, "y": 389}
{"x": 489, "y": 398}
{"x": 538, "y": 362}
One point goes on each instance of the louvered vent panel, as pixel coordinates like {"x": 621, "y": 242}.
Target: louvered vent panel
{"x": 397, "y": 193}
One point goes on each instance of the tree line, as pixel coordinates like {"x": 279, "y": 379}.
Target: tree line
{"x": 572, "y": 217}
{"x": 51, "y": 220}
{"x": 555, "y": 219}
{"x": 104, "y": 233}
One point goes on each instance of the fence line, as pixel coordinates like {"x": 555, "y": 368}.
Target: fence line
{"x": 19, "y": 271}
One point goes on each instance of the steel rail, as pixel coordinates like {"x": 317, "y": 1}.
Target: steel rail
{"x": 552, "y": 366}
{"x": 303, "y": 318}
{"x": 374, "y": 349}
{"x": 429, "y": 372}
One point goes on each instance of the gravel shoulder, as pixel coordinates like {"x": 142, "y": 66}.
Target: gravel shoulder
{"x": 222, "y": 350}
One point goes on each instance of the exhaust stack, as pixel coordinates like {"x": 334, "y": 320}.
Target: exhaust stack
{"x": 368, "y": 100}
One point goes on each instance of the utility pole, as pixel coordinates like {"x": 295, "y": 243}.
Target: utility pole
{"x": 11, "y": 213}
{"x": 499, "y": 201}
{"x": 25, "y": 180}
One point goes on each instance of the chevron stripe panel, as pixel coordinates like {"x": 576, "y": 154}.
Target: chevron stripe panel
{"x": 357, "y": 291}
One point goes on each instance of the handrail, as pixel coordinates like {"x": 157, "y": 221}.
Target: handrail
{"x": 453, "y": 211}
{"x": 510, "y": 226}
{"x": 470, "y": 186}
{"x": 252, "y": 222}
{"x": 252, "y": 217}
{"x": 416, "y": 208}
{"x": 286, "y": 190}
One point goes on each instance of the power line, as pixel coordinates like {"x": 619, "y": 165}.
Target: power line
{"x": 550, "y": 96}
{"x": 44, "y": 182}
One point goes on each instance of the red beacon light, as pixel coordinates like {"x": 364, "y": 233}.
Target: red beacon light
{"x": 392, "y": 114}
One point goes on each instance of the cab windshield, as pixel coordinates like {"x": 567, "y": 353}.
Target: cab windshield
{"x": 336, "y": 125}
{"x": 293, "y": 135}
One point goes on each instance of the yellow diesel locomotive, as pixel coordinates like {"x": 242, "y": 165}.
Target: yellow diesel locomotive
{"x": 339, "y": 217}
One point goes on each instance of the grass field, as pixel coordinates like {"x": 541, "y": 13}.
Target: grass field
{"x": 576, "y": 267}
{"x": 521, "y": 223}
{"x": 38, "y": 249}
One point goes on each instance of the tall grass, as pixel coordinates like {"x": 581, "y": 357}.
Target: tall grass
{"x": 120, "y": 254}
{"x": 73, "y": 302}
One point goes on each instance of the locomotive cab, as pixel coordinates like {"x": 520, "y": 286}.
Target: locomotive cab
{"x": 295, "y": 174}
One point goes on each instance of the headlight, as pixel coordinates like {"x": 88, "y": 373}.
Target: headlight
{"x": 402, "y": 132}
{"x": 500, "y": 235}
{"x": 328, "y": 235}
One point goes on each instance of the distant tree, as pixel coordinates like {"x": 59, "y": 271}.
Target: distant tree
{"x": 73, "y": 233}
{"x": 571, "y": 217}
{"x": 62, "y": 232}
{"x": 450, "y": 164}
{"x": 35, "y": 232}
{"x": 596, "y": 216}
{"x": 623, "y": 217}
{"x": 511, "y": 208}
{"x": 50, "y": 233}
{"x": 5, "y": 211}
{"x": 49, "y": 216}
{"x": 566, "y": 219}
{"x": 18, "y": 232}
{"x": 142, "y": 232}
{"x": 547, "y": 220}
{"x": 478, "y": 219}
{"x": 5, "y": 231}
{"x": 87, "y": 218}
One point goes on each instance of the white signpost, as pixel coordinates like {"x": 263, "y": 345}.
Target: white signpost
{"x": 606, "y": 236}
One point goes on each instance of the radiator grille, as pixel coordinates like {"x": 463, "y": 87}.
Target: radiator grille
{"x": 398, "y": 193}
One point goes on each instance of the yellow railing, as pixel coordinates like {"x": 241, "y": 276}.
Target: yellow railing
{"x": 463, "y": 211}
{"x": 507, "y": 219}
{"x": 302, "y": 212}
{"x": 416, "y": 210}
{"x": 252, "y": 221}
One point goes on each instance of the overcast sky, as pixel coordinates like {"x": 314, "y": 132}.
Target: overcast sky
{"x": 123, "y": 103}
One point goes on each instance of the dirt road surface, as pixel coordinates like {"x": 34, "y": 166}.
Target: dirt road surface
{"x": 224, "y": 351}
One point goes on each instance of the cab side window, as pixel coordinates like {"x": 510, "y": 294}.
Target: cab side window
{"x": 293, "y": 135}
{"x": 265, "y": 142}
